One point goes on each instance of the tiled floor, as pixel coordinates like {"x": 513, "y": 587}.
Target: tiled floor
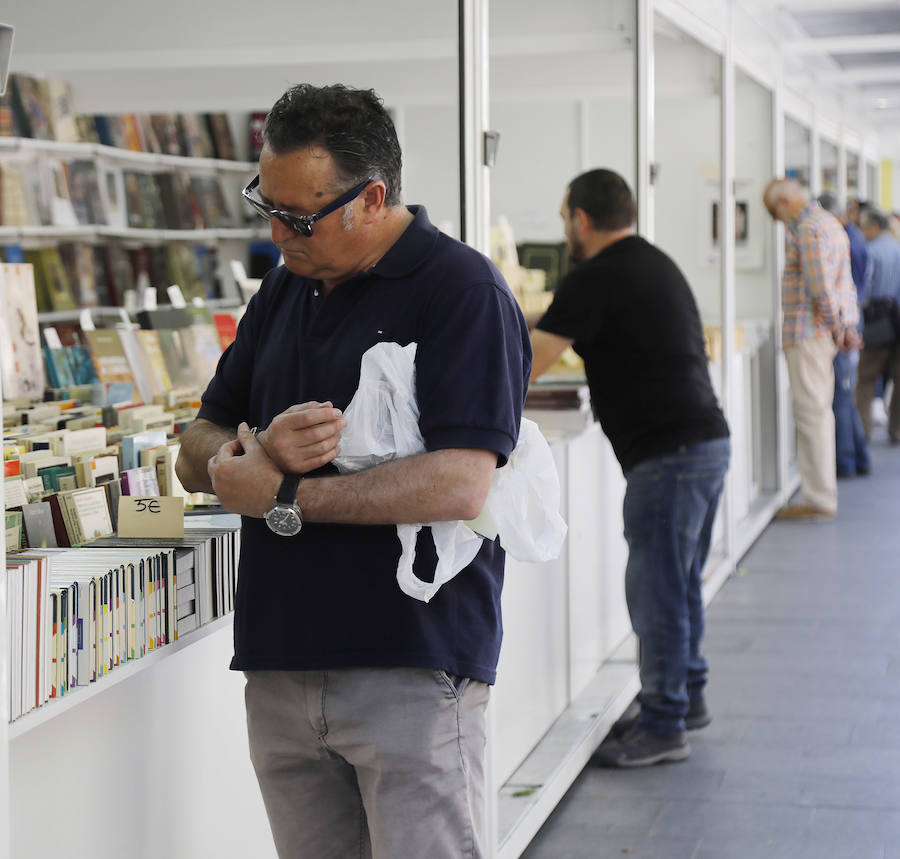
{"x": 802, "y": 759}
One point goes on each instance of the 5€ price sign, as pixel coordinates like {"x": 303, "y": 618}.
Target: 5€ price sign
{"x": 145, "y": 516}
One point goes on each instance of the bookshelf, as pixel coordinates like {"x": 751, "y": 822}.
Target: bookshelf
{"x": 47, "y": 217}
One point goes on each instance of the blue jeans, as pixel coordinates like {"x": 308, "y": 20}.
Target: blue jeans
{"x": 849, "y": 434}
{"x": 669, "y": 509}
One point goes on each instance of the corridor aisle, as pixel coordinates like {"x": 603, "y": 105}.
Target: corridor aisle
{"x": 802, "y": 759}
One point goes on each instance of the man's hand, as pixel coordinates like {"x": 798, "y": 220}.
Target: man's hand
{"x": 243, "y": 476}
{"x": 304, "y": 437}
{"x": 847, "y": 339}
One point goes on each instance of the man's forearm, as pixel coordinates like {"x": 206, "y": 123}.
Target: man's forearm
{"x": 439, "y": 486}
{"x": 201, "y": 440}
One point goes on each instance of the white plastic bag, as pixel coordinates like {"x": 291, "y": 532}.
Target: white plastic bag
{"x": 383, "y": 416}
{"x": 522, "y": 507}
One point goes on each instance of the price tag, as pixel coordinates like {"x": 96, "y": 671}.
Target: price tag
{"x": 148, "y": 516}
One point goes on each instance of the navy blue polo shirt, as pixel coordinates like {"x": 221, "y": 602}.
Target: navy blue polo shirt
{"x": 328, "y": 597}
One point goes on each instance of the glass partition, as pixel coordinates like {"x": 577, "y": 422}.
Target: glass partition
{"x": 754, "y": 295}
{"x": 562, "y": 96}
{"x": 797, "y": 151}
{"x": 828, "y": 155}
{"x": 688, "y": 85}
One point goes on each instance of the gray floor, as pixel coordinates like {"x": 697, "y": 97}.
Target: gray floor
{"x": 802, "y": 758}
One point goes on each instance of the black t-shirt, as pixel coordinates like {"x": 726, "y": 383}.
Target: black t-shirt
{"x": 635, "y": 323}
{"x": 328, "y": 597}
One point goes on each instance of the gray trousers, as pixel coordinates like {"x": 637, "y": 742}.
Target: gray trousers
{"x": 370, "y": 763}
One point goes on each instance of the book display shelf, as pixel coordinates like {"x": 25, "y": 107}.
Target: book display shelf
{"x": 93, "y": 218}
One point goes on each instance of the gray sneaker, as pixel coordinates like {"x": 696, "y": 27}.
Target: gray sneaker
{"x": 696, "y": 717}
{"x": 640, "y": 748}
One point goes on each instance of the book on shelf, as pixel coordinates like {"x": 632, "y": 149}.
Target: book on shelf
{"x": 15, "y": 210}
{"x": 112, "y": 194}
{"x": 58, "y": 98}
{"x": 87, "y": 129}
{"x": 226, "y": 327}
{"x": 21, "y": 356}
{"x": 14, "y": 533}
{"x": 78, "y": 261}
{"x": 53, "y": 289}
{"x": 194, "y": 136}
{"x": 84, "y": 191}
{"x": 56, "y": 194}
{"x": 109, "y": 357}
{"x": 38, "y": 523}
{"x": 166, "y": 133}
{"x": 30, "y": 107}
{"x": 256, "y": 124}
{"x": 222, "y": 138}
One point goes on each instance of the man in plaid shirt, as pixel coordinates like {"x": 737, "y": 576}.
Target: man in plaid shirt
{"x": 820, "y": 313}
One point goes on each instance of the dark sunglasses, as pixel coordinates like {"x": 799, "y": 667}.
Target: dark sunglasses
{"x": 300, "y": 224}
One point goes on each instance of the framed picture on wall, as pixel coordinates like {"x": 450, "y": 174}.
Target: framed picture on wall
{"x": 749, "y": 224}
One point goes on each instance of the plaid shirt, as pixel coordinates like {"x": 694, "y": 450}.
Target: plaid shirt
{"x": 817, "y": 292}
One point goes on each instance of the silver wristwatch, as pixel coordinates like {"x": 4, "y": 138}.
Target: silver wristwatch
{"x": 285, "y": 518}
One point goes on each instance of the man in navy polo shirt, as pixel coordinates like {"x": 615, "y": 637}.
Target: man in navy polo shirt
{"x": 365, "y": 707}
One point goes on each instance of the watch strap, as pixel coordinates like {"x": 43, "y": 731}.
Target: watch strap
{"x": 287, "y": 492}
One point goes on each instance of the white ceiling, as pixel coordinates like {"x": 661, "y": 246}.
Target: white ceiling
{"x": 849, "y": 49}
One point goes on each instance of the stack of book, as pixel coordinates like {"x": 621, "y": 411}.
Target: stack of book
{"x": 77, "y": 615}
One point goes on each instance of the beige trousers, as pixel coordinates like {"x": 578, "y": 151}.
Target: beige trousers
{"x": 811, "y": 374}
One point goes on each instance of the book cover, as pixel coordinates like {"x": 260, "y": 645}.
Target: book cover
{"x": 139, "y": 362}
{"x": 134, "y": 443}
{"x": 112, "y": 194}
{"x": 148, "y": 190}
{"x": 55, "y": 278}
{"x": 134, "y": 206}
{"x": 108, "y": 354}
{"x": 148, "y": 133}
{"x": 211, "y": 201}
{"x": 166, "y": 133}
{"x": 226, "y": 327}
{"x": 56, "y": 364}
{"x": 87, "y": 129}
{"x": 57, "y": 95}
{"x": 56, "y": 192}
{"x": 29, "y": 107}
{"x": 21, "y": 356}
{"x": 222, "y": 138}
{"x": 14, "y": 208}
{"x": 256, "y": 124}
{"x": 89, "y": 512}
{"x": 119, "y": 273}
{"x": 176, "y": 202}
{"x": 81, "y": 365}
{"x": 132, "y": 137}
{"x": 84, "y": 191}
{"x": 140, "y": 481}
{"x": 14, "y": 535}
{"x": 78, "y": 260}
{"x": 194, "y": 135}
{"x": 158, "y": 371}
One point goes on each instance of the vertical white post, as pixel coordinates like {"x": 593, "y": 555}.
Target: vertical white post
{"x": 475, "y": 230}
{"x": 5, "y": 679}
{"x": 728, "y": 314}
{"x": 645, "y": 96}
{"x": 474, "y": 108}
{"x": 781, "y": 381}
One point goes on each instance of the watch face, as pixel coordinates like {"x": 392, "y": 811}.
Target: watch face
{"x": 284, "y": 521}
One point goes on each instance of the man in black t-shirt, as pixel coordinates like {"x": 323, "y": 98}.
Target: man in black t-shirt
{"x": 629, "y": 313}
{"x": 365, "y": 707}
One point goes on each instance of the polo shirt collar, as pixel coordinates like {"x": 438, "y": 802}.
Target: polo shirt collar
{"x": 410, "y": 250}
